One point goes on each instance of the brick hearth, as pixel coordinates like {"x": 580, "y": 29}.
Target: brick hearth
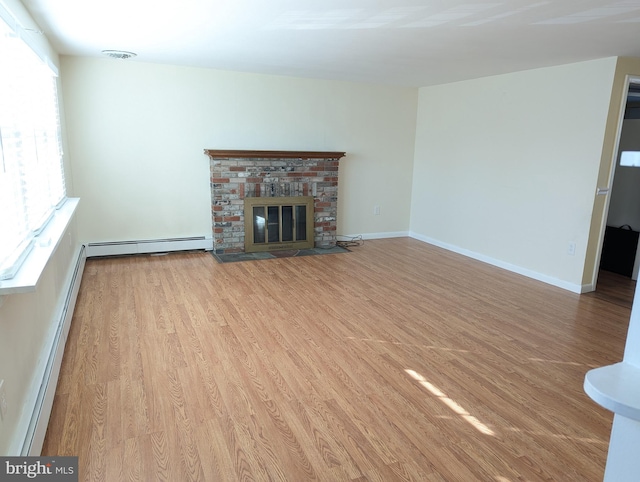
{"x": 236, "y": 175}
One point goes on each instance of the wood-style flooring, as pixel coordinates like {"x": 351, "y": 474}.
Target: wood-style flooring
{"x": 397, "y": 361}
{"x": 614, "y": 288}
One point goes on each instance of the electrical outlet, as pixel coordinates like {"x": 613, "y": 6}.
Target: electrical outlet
{"x": 3, "y": 401}
{"x": 376, "y": 210}
{"x": 571, "y": 250}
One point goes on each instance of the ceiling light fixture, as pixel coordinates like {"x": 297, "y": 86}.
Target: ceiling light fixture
{"x": 119, "y": 54}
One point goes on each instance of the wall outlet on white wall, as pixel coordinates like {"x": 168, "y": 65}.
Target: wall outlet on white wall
{"x": 571, "y": 249}
{"x": 376, "y": 210}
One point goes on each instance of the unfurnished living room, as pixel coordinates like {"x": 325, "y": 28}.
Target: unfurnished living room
{"x": 365, "y": 240}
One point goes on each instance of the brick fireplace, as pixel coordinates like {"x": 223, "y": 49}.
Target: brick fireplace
{"x": 237, "y": 175}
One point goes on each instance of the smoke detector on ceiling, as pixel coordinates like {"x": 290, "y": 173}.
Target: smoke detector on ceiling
{"x": 119, "y": 54}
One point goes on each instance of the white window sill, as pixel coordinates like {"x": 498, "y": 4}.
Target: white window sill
{"x": 46, "y": 243}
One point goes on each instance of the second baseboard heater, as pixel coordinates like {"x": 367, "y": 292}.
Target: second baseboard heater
{"x": 43, "y": 403}
{"x": 119, "y": 248}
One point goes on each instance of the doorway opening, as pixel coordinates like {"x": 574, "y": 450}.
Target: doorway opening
{"x": 619, "y": 257}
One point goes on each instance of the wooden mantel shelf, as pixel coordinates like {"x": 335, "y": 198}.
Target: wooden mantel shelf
{"x": 226, "y": 154}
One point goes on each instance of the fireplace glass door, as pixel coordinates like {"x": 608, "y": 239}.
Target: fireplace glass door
{"x": 278, "y": 223}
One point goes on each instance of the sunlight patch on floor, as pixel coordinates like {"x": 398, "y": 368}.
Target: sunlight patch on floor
{"x": 429, "y": 347}
{"x": 452, "y": 404}
{"x": 560, "y": 362}
{"x": 560, "y": 436}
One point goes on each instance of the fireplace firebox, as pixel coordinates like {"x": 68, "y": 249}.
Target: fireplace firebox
{"x": 272, "y": 223}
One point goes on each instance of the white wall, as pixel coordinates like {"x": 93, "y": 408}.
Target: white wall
{"x": 136, "y": 135}
{"x": 27, "y": 320}
{"x": 624, "y": 207}
{"x": 505, "y": 167}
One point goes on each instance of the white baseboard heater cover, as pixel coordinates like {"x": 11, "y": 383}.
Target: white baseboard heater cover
{"x": 118, "y": 248}
{"x": 44, "y": 402}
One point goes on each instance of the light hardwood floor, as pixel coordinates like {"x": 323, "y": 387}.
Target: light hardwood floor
{"x": 615, "y": 288}
{"x": 397, "y": 361}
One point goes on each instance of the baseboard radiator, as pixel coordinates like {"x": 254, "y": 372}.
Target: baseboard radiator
{"x": 44, "y": 401}
{"x": 121, "y": 248}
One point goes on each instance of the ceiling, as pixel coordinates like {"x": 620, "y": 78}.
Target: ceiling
{"x": 396, "y": 42}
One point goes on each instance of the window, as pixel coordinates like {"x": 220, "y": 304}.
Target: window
{"x": 31, "y": 172}
{"x": 630, "y": 158}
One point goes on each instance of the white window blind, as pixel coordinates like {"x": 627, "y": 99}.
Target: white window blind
{"x": 31, "y": 171}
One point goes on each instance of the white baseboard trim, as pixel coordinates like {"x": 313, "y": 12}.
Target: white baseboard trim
{"x": 588, "y": 288}
{"x": 119, "y": 248}
{"x": 575, "y": 288}
{"x": 37, "y": 428}
{"x": 391, "y": 234}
